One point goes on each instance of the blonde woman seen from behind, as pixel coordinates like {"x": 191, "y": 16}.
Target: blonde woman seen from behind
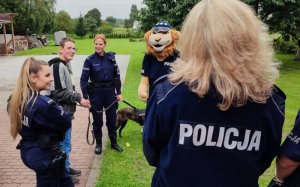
{"x": 217, "y": 119}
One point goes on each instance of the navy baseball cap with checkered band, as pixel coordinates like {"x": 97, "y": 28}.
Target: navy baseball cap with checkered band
{"x": 162, "y": 26}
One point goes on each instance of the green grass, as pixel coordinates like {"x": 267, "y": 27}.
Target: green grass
{"x": 130, "y": 168}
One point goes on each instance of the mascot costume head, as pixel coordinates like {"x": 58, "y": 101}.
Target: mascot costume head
{"x": 161, "y": 51}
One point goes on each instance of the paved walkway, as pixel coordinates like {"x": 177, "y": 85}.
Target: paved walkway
{"x": 13, "y": 173}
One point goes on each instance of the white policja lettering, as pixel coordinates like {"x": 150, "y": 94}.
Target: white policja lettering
{"x": 202, "y": 135}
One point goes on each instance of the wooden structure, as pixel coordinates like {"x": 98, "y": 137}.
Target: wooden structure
{"x": 7, "y": 18}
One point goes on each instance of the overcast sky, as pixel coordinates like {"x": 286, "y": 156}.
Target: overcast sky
{"x": 115, "y": 8}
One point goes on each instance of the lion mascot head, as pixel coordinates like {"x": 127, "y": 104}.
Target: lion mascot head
{"x": 161, "y": 51}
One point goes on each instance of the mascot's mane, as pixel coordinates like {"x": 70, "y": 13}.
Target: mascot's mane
{"x": 167, "y": 51}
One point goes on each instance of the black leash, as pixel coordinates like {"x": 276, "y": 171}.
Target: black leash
{"x": 129, "y": 104}
{"x": 88, "y": 130}
{"x": 90, "y": 125}
{"x": 102, "y": 111}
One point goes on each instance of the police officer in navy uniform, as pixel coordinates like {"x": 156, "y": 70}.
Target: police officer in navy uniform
{"x": 217, "y": 119}
{"x": 103, "y": 90}
{"x": 41, "y": 124}
{"x": 288, "y": 160}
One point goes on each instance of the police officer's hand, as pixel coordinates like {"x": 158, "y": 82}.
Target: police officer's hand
{"x": 119, "y": 97}
{"x": 275, "y": 183}
{"x": 85, "y": 103}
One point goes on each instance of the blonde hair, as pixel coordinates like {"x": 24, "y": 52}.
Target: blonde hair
{"x": 224, "y": 45}
{"x": 21, "y": 94}
{"x": 102, "y": 36}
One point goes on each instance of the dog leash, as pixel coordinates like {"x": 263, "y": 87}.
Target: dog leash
{"x": 89, "y": 123}
{"x": 102, "y": 111}
{"x": 88, "y": 130}
{"x": 129, "y": 104}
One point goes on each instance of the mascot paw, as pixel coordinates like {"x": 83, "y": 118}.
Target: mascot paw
{"x": 143, "y": 95}
{"x": 143, "y": 89}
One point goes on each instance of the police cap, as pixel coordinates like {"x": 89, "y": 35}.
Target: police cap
{"x": 162, "y": 26}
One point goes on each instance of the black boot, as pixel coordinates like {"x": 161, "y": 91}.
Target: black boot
{"x": 115, "y": 146}
{"x": 98, "y": 148}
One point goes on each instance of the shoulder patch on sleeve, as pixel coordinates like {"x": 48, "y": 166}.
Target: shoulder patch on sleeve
{"x": 46, "y": 100}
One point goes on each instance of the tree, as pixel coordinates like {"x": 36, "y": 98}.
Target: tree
{"x": 94, "y": 13}
{"x": 282, "y": 16}
{"x": 106, "y": 28}
{"x": 91, "y": 25}
{"x": 63, "y": 22}
{"x": 32, "y": 14}
{"x": 133, "y": 16}
{"x": 127, "y": 24}
{"x": 111, "y": 20}
{"x": 80, "y": 29}
{"x": 174, "y": 11}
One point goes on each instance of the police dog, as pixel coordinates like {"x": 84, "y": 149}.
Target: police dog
{"x": 134, "y": 114}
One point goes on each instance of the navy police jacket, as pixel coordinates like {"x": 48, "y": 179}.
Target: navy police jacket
{"x": 100, "y": 69}
{"x": 153, "y": 69}
{"x": 291, "y": 146}
{"x": 191, "y": 142}
{"x": 44, "y": 117}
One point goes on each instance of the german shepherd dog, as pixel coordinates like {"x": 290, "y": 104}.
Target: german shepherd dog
{"x": 134, "y": 114}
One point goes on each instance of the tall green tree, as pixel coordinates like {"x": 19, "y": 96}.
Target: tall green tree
{"x": 63, "y": 22}
{"x": 134, "y": 13}
{"x": 80, "y": 29}
{"x": 91, "y": 25}
{"x": 94, "y": 13}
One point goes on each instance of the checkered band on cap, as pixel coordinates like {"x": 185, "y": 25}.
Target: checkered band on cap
{"x": 162, "y": 26}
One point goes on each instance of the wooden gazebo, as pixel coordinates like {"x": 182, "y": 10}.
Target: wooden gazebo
{"x": 7, "y": 18}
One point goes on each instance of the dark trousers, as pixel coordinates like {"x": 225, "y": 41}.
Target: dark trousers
{"x": 101, "y": 99}
{"x": 40, "y": 161}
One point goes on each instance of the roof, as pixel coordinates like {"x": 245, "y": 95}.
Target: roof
{"x": 7, "y": 17}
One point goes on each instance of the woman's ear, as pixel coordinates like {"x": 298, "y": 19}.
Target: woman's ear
{"x": 33, "y": 78}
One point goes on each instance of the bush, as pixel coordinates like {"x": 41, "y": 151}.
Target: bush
{"x": 107, "y": 30}
{"x": 289, "y": 46}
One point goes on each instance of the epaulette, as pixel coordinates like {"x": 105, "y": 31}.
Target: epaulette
{"x": 279, "y": 91}
{"x": 111, "y": 56}
{"x": 279, "y": 97}
{"x": 47, "y": 100}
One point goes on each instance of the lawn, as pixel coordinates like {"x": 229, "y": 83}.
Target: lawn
{"x": 130, "y": 168}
